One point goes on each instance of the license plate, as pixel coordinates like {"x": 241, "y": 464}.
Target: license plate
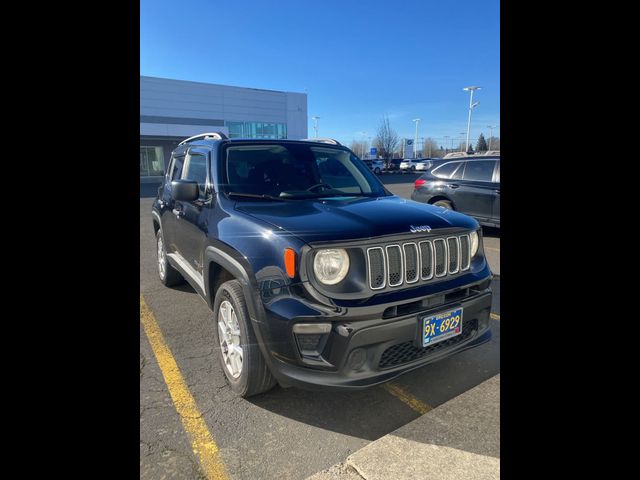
{"x": 442, "y": 326}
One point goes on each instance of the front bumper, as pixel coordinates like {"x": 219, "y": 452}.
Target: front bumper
{"x": 365, "y": 349}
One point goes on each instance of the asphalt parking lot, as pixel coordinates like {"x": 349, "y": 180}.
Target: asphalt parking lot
{"x": 288, "y": 434}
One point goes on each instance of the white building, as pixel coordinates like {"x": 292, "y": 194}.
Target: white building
{"x": 171, "y": 110}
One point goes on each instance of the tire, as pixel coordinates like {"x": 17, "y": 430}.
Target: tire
{"x": 444, "y": 203}
{"x": 413, "y": 169}
{"x": 377, "y": 171}
{"x": 169, "y": 276}
{"x": 253, "y": 376}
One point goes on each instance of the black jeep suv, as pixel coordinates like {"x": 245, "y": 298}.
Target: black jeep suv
{"x": 316, "y": 274}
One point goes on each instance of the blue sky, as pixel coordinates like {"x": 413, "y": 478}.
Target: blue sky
{"x": 357, "y": 60}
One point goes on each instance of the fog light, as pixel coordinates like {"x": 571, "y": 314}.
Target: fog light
{"x": 357, "y": 358}
{"x": 311, "y": 337}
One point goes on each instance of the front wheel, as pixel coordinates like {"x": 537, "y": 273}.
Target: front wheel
{"x": 377, "y": 171}
{"x": 444, "y": 204}
{"x": 242, "y": 361}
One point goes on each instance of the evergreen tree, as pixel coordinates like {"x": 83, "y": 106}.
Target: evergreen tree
{"x": 470, "y": 150}
{"x": 481, "y": 146}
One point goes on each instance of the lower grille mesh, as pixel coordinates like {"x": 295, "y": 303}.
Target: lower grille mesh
{"x": 407, "y": 351}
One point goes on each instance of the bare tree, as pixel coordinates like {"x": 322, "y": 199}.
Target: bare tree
{"x": 386, "y": 140}
{"x": 359, "y": 147}
{"x": 430, "y": 148}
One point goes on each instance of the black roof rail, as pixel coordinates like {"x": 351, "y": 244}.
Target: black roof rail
{"x": 205, "y": 136}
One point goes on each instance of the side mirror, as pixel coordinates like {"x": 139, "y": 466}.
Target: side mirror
{"x": 185, "y": 190}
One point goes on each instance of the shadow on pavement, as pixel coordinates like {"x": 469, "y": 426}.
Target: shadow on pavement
{"x": 367, "y": 414}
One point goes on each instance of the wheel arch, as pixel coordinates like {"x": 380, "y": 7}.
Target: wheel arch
{"x": 220, "y": 266}
{"x": 433, "y": 200}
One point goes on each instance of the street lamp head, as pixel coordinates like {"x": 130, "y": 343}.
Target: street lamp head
{"x": 472, "y": 88}
{"x": 415, "y": 120}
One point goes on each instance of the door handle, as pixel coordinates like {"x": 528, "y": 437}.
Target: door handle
{"x": 497, "y": 191}
{"x": 453, "y": 185}
{"x": 178, "y": 213}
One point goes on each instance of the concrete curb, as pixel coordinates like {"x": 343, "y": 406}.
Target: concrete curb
{"x": 458, "y": 439}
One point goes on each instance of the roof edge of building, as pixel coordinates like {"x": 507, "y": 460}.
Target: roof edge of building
{"x": 219, "y": 84}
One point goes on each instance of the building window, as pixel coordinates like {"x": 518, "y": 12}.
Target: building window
{"x": 256, "y": 130}
{"x": 151, "y": 161}
{"x": 236, "y": 129}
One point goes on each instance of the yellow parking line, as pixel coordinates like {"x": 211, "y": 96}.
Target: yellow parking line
{"x": 400, "y": 393}
{"x": 495, "y": 316}
{"x": 202, "y": 442}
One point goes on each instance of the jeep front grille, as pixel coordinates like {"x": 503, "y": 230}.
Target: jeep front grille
{"x": 406, "y": 263}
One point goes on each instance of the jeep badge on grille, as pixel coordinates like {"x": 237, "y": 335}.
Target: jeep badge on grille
{"x": 421, "y": 228}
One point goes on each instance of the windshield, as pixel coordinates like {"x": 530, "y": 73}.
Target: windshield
{"x": 298, "y": 171}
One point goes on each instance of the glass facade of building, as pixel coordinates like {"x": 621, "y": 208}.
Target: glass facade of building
{"x": 151, "y": 161}
{"x": 256, "y": 130}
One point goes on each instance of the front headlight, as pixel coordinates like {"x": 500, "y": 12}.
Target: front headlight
{"x": 474, "y": 243}
{"x": 331, "y": 265}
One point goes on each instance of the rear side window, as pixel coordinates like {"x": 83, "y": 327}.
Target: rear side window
{"x": 481, "y": 171}
{"x": 445, "y": 171}
{"x": 196, "y": 170}
{"x": 457, "y": 175}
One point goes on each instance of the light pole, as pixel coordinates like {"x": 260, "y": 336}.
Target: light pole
{"x": 446, "y": 150}
{"x": 415, "y": 141}
{"x": 315, "y": 125}
{"x": 491, "y": 127}
{"x": 471, "y": 107}
{"x": 364, "y": 143}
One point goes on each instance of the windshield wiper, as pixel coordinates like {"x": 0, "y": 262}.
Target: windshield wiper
{"x": 256, "y": 195}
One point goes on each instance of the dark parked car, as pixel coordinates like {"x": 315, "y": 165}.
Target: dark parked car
{"x": 317, "y": 276}
{"x": 470, "y": 185}
{"x": 394, "y": 165}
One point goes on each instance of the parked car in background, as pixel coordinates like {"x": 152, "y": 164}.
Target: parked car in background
{"x": 411, "y": 164}
{"x": 377, "y": 166}
{"x": 423, "y": 165}
{"x": 394, "y": 165}
{"x": 469, "y": 184}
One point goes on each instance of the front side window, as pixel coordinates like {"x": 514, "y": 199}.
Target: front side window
{"x": 298, "y": 171}
{"x": 176, "y": 168}
{"x": 480, "y": 171}
{"x": 196, "y": 170}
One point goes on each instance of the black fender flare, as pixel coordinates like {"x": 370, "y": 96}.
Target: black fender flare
{"x": 239, "y": 268}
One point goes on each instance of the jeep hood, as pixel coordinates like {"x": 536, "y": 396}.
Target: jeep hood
{"x": 348, "y": 218}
